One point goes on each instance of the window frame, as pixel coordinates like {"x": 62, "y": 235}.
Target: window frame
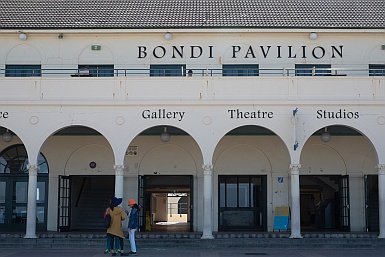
{"x": 98, "y": 70}
{"x": 306, "y": 70}
{"x": 240, "y": 70}
{"x": 23, "y": 70}
{"x": 376, "y": 69}
{"x": 167, "y": 70}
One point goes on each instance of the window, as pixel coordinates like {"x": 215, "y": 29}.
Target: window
{"x": 175, "y": 70}
{"x": 376, "y": 69}
{"x": 14, "y": 189}
{"x": 96, "y": 70}
{"x": 14, "y": 160}
{"x": 22, "y": 70}
{"x": 312, "y": 69}
{"x": 240, "y": 70}
{"x": 242, "y": 202}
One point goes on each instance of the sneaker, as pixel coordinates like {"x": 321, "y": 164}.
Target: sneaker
{"x": 106, "y": 251}
{"x": 132, "y": 253}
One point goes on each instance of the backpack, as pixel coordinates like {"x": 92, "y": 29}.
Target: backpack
{"x": 107, "y": 220}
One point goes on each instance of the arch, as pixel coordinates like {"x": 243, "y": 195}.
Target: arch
{"x": 134, "y": 132}
{"x": 88, "y": 56}
{"x": 24, "y": 54}
{"x": 375, "y": 55}
{"x": 157, "y": 161}
{"x": 62, "y": 125}
{"x": 375, "y": 143}
{"x": 281, "y": 134}
{"x": 85, "y": 154}
{"x": 247, "y": 158}
{"x": 312, "y": 163}
{"x": 35, "y": 146}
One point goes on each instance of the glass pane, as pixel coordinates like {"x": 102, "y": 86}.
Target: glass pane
{"x": 167, "y": 70}
{"x": 20, "y": 192}
{"x": 255, "y": 191}
{"x": 3, "y": 165}
{"x": 2, "y": 192}
{"x": 241, "y": 70}
{"x": 2, "y": 202}
{"x": 376, "y": 70}
{"x": 40, "y": 214}
{"x": 231, "y": 192}
{"x": 19, "y": 215}
{"x": 222, "y": 194}
{"x": 43, "y": 166}
{"x": 2, "y": 214}
{"x": 40, "y": 194}
{"x": 243, "y": 192}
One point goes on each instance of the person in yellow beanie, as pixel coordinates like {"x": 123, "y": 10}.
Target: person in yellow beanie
{"x": 133, "y": 224}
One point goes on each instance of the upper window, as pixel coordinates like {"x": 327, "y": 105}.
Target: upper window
{"x": 96, "y": 70}
{"x": 22, "y": 70}
{"x": 376, "y": 69}
{"x": 14, "y": 159}
{"x": 312, "y": 69}
{"x": 172, "y": 70}
{"x": 240, "y": 70}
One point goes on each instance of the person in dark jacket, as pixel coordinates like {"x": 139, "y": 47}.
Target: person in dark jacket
{"x": 115, "y": 231}
{"x": 133, "y": 224}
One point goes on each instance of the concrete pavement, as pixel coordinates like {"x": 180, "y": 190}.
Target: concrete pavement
{"x": 163, "y": 252}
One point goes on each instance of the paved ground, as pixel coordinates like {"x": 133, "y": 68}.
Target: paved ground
{"x": 239, "y": 252}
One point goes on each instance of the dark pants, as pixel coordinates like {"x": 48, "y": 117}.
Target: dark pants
{"x": 112, "y": 240}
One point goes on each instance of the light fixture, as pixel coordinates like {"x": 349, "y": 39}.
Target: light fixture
{"x": 92, "y": 165}
{"x": 60, "y": 36}
{"x": 313, "y": 36}
{"x": 165, "y": 136}
{"x": 7, "y": 136}
{"x": 168, "y": 36}
{"x": 22, "y": 36}
{"x": 325, "y": 136}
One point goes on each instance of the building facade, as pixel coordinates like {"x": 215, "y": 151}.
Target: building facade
{"x": 210, "y": 113}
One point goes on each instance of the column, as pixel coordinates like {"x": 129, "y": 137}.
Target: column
{"x": 207, "y": 201}
{"x": 119, "y": 180}
{"x": 31, "y": 205}
{"x": 295, "y": 202}
{"x": 381, "y": 199}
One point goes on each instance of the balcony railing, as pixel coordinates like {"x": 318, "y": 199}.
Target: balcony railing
{"x": 47, "y": 72}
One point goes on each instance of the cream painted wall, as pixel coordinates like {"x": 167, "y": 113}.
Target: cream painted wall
{"x": 122, "y": 49}
{"x": 40, "y": 106}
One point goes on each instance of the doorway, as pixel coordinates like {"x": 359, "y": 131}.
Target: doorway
{"x": 82, "y": 201}
{"x": 165, "y": 202}
{"x": 371, "y": 203}
{"x": 325, "y": 203}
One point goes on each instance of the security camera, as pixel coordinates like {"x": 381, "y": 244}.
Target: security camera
{"x": 60, "y": 36}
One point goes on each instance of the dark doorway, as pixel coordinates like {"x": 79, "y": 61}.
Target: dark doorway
{"x": 166, "y": 203}
{"x": 325, "y": 203}
{"x": 371, "y": 203}
{"x": 82, "y": 202}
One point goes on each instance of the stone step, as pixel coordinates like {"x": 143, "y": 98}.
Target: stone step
{"x": 192, "y": 240}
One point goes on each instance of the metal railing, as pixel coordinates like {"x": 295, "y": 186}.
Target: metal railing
{"x": 204, "y": 72}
